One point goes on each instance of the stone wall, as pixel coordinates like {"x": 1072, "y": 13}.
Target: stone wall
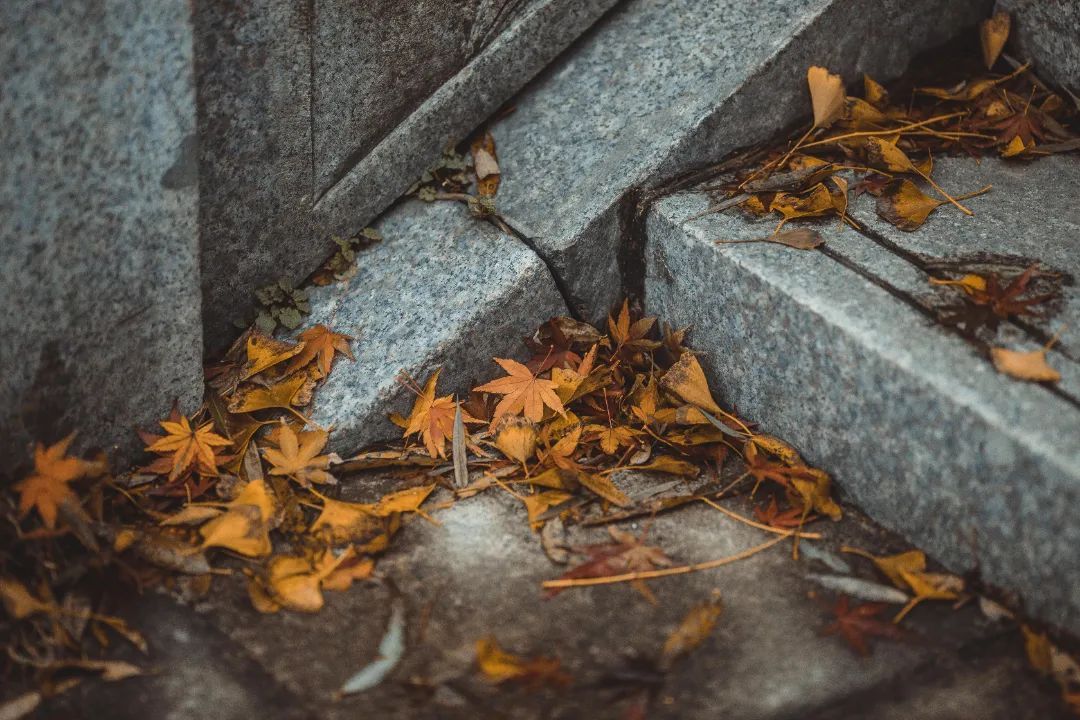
{"x": 1047, "y": 32}
{"x": 99, "y": 282}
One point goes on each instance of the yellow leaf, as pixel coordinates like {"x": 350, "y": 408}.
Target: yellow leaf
{"x": 813, "y": 487}
{"x": 320, "y": 343}
{"x": 263, "y": 352}
{"x": 777, "y": 447}
{"x": 993, "y": 32}
{"x": 874, "y": 92}
{"x": 687, "y": 380}
{"x": 970, "y": 283}
{"x": 816, "y": 202}
{"x": 669, "y": 465}
{"x": 539, "y": 503}
{"x": 1014, "y": 147}
{"x": 189, "y": 447}
{"x": 603, "y": 487}
{"x": 408, "y": 500}
{"x": 826, "y": 95}
{"x": 498, "y": 666}
{"x": 692, "y": 631}
{"x": 886, "y": 155}
{"x": 298, "y": 456}
{"x": 1038, "y": 650}
{"x": 486, "y": 165}
{"x": 905, "y": 206}
{"x": 523, "y": 393}
{"x": 17, "y": 600}
{"x": 244, "y": 527}
{"x": 345, "y": 521}
{"x": 517, "y": 441}
{"x": 47, "y": 488}
{"x": 894, "y": 566}
{"x": 1024, "y": 365}
{"x": 249, "y": 398}
{"x": 296, "y": 582}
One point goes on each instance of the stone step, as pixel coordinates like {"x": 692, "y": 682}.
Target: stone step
{"x": 835, "y": 351}
{"x": 659, "y": 86}
{"x": 477, "y": 570}
{"x": 651, "y": 88}
{"x": 441, "y": 290}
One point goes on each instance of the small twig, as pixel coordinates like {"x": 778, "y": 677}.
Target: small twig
{"x": 650, "y": 574}
{"x": 760, "y": 526}
{"x": 873, "y": 133}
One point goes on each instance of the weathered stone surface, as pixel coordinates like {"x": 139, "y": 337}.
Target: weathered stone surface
{"x": 829, "y": 350}
{"x": 659, "y": 87}
{"x": 484, "y": 51}
{"x": 98, "y": 245}
{"x": 193, "y": 672}
{"x": 315, "y": 116}
{"x": 1046, "y": 32}
{"x": 478, "y": 573}
{"x": 255, "y": 154}
{"x": 442, "y": 290}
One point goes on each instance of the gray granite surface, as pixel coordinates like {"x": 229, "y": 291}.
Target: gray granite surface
{"x": 659, "y": 87}
{"x": 823, "y": 349}
{"x": 99, "y": 277}
{"x": 1047, "y": 32}
{"x": 442, "y": 290}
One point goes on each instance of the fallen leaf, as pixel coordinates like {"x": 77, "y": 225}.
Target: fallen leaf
{"x": 860, "y": 623}
{"x": 391, "y": 649}
{"x": 486, "y": 165}
{"x": 499, "y": 666}
{"x": 264, "y": 352}
{"x": 602, "y": 486}
{"x": 517, "y": 441}
{"x": 626, "y": 554}
{"x": 245, "y": 525}
{"x": 249, "y": 398}
{"x": 904, "y": 205}
{"x": 687, "y": 380}
{"x": 826, "y": 95}
{"x": 695, "y": 627}
{"x": 48, "y": 487}
{"x": 993, "y": 32}
{"x": 18, "y": 601}
{"x": 320, "y": 343}
{"x": 539, "y": 503}
{"x": 433, "y": 418}
{"x": 523, "y": 392}
{"x": 297, "y": 456}
{"x": 1022, "y": 365}
{"x": 798, "y": 239}
{"x": 873, "y": 91}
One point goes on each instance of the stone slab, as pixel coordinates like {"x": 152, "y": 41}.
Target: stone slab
{"x": 314, "y": 117}
{"x": 1045, "y": 32}
{"x": 478, "y": 572}
{"x": 918, "y": 429}
{"x": 99, "y": 268}
{"x": 660, "y": 87}
{"x": 442, "y": 290}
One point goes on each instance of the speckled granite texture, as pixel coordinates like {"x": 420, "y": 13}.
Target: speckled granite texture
{"x": 315, "y": 116}
{"x": 98, "y": 247}
{"x": 661, "y": 86}
{"x": 442, "y": 289}
{"x": 1047, "y": 32}
{"x": 924, "y": 434}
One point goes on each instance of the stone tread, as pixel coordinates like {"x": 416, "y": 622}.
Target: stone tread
{"x": 918, "y": 429}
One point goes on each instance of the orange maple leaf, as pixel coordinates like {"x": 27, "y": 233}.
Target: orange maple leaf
{"x": 298, "y": 456}
{"x": 47, "y": 487}
{"x": 321, "y": 342}
{"x": 433, "y": 417}
{"x": 523, "y": 391}
{"x": 188, "y": 446}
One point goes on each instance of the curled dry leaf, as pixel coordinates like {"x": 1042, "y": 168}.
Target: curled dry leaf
{"x": 694, "y": 629}
{"x": 486, "y": 165}
{"x": 993, "y": 32}
{"x": 826, "y": 95}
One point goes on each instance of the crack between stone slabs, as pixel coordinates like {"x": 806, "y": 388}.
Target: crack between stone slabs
{"x": 982, "y": 348}
{"x": 507, "y": 226}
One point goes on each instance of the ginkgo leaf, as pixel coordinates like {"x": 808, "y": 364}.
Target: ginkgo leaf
{"x": 517, "y": 441}
{"x": 320, "y": 343}
{"x": 882, "y": 153}
{"x": 298, "y": 456}
{"x": 687, "y": 380}
{"x": 48, "y": 486}
{"x": 190, "y": 447}
{"x": 295, "y": 582}
{"x": 904, "y": 205}
{"x": 433, "y": 418}
{"x": 874, "y": 92}
{"x": 1030, "y": 365}
{"x": 602, "y": 486}
{"x": 523, "y": 392}
{"x": 816, "y": 202}
{"x": 249, "y": 398}
{"x": 813, "y": 487}
{"x": 244, "y": 527}
{"x": 993, "y": 32}
{"x": 826, "y": 95}
{"x": 264, "y": 352}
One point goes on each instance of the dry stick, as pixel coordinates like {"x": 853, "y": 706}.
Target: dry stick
{"x": 771, "y": 164}
{"x": 873, "y": 133}
{"x": 650, "y": 574}
{"x": 937, "y": 187}
{"x": 760, "y": 526}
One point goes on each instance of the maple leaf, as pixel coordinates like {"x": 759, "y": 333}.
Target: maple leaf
{"x": 859, "y": 623}
{"x": 630, "y": 337}
{"x": 320, "y": 343}
{"x": 433, "y": 417}
{"x": 772, "y": 516}
{"x": 298, "y": 456}
{"x": 523, "y": 392}
{"x": 190, "y": 447}
{"x": 988, "y": 300}
{"x": 626, "y": 554}
{"x": 48, "y": 487}
{"x": 611, "y": 438}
